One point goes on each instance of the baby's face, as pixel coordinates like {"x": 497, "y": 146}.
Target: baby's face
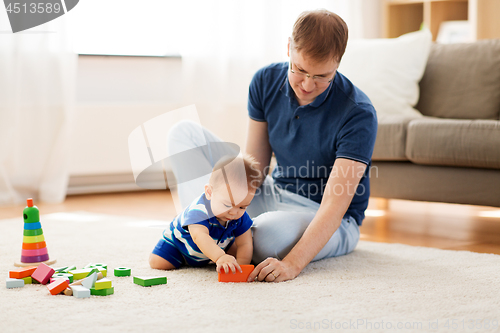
{"x": 226, "y": 209}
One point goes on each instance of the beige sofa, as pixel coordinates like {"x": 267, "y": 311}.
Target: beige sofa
{"x": 452, "y": 152}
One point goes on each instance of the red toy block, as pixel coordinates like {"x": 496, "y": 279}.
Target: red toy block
{"x": 43, "y": 273}
{"x": 59, "y": 285}
{"x": 23, "y": 272}
{"x": 237, "y": 277}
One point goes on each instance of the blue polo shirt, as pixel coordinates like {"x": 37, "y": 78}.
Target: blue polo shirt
{"x": 306, "y": 140}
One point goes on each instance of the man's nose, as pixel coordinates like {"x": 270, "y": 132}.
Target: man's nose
{"x": 308, "y": 84}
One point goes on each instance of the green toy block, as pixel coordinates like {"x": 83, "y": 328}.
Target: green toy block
{"x": 70, "y": 268}
{"x": 63, "y": 275}
{"x": 79, "y": 274}
{"x": 99, "y": 265}
{"x": 61, "y": 269}
{"x": 102, "y": 292}
{"x": 34, "y": 232}
{"x": 122, "y": 271}
{"x": 94, "y": 270}
{"x": 103, "y": 284}
{"x": 27, "y": 280}
{"x": 88, "y": 266}
{"x": 150, "y": 281}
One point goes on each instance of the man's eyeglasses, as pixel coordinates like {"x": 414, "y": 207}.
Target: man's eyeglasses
{"x": 317, "y": 79}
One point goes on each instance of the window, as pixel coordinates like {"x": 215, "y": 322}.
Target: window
{"x": 126, "y": 27}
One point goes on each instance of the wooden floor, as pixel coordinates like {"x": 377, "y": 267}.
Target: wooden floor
{"x": 444, "y": 226}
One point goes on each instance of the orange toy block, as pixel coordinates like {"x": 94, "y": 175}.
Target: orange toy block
{"x": 22, "y": 273}
{"x": 237, "y": 277}
{"x": 59, "y": 285}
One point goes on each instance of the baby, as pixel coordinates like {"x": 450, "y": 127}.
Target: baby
{"x": 215, "y": 226}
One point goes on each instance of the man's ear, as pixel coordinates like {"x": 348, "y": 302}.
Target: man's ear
{"x": 208, "y": 191}
{"x": 288, "y": 47}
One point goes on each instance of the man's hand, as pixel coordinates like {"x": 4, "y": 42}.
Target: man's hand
{"x": 227, "y": 263}
{"x": 274, "y": 270}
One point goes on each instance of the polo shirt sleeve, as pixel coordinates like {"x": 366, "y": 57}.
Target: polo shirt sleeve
{"x": 245, "y": 224}
{"x": 196, "y": 215}
{"x": 255, "y": 97}
{"x": 356, "y": 138}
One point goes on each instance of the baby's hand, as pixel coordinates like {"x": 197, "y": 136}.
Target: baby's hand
{"x": 227, "y": 263}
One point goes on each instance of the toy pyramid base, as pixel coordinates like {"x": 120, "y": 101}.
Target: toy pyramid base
{"x": 46, "y": 262}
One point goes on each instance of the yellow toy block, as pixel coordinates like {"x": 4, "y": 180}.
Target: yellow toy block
{"x": 27, "y": 280}
{"x": 103, "y": 284}
{"x": 79, "y": 274}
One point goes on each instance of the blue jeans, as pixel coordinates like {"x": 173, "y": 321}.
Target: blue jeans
{"x": 280, "y": 217}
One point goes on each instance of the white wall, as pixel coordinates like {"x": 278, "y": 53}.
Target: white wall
{"x": 114, "y": 96}
{"x": 117, "y": 94}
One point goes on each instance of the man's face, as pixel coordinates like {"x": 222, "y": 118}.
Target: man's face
{"x": 306, "y": 88}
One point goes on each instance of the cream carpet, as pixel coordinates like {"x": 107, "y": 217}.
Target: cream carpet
{"x": 377, "y": 288}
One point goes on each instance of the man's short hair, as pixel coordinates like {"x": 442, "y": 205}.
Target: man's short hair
{"x": 238, "y": 170}
{"x": 320, "y": 35}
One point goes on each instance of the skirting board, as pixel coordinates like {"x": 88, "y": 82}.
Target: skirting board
{"x": 107, "y": 183}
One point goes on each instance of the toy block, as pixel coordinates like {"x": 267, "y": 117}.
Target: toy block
{"x": 58, "y": 286}
{"x": 14, "y": 283}
{"x": 60, "y": 269}
{"x": 80, "y": 292}
{"x": 102, "y": 292}
{"x": 43, "y": 273}
{"x": 23, "y": 272}
{"x": 79, "y": 282}
{"x": 32, "y": 226}
{"x": 79, "y": 274}
{"x": 32, "y": 232}
{"x": 65, "y": 269}
{"x": 90, "y": 280}
{"x": 237, "y": 277}
{"x": 94, "y": 270}
{"x": 103, "y": 284}
{"x": 27, "y": 280}
{"x": 150, "y": 281}
{"x": 63, "y": 275}
{"x": 100, "y": 265}
{"x": 52, "y": 279}
{"x": 122, "y": 271}
{"x": 88, "y": 266}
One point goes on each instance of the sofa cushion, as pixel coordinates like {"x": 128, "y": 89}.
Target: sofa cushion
{"x": 391, "y": 139}
{"x": 462, "y": 81}
{"x": 465, "y": 143}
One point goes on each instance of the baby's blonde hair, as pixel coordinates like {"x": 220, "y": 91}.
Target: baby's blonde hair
{"x": 236, "y": 171}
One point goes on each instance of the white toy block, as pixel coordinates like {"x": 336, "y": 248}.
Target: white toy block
{"x": 14, "y": 283}
{"x": 89, "y": 281}
{"x": 80, "y": 292}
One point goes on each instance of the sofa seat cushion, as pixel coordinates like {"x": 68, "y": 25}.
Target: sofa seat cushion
{"x": 462, "y": 81}
{"x": 454, "y": 142}
{"x": 391, "y": 138}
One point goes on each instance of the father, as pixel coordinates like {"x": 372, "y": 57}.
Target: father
{"x": 322, "y": 130}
